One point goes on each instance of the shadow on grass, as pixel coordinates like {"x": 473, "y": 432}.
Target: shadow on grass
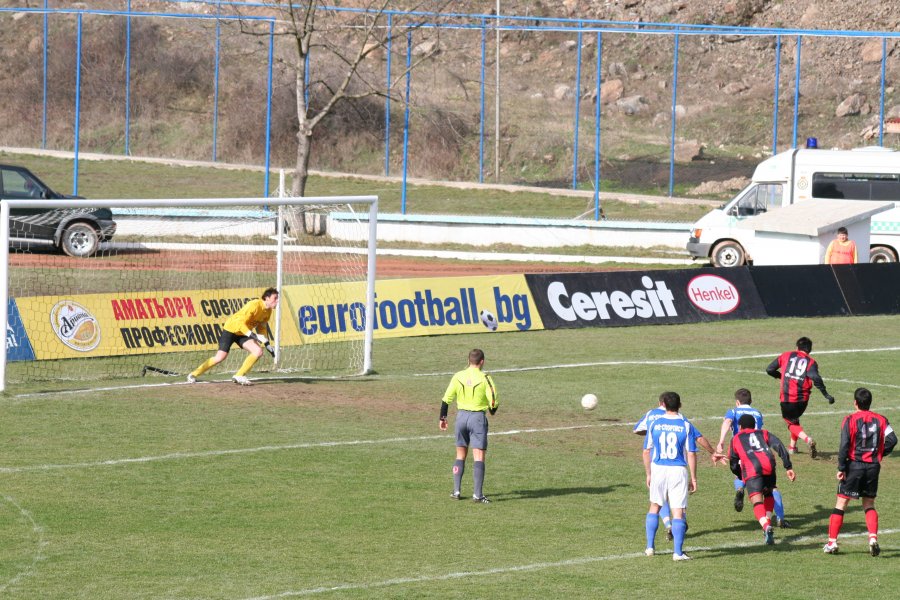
{"x": 552, "y": 492}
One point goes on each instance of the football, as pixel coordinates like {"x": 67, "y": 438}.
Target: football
{"x": 489, "y": 320}
{"x": 589, "y": 401}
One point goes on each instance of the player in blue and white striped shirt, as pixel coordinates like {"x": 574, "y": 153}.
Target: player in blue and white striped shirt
{"x": 742, "y": 400}
{"x": 670, "y": 463}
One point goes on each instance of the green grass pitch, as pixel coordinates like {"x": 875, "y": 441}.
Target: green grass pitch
{"x": 340, "y": 489}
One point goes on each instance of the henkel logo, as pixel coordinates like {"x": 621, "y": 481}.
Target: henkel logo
{"x": 75, "y": 326}
{"x": 713, "y": 294}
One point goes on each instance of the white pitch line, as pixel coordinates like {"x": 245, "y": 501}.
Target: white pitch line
{"x": 540, "y": 566}
{"x": 349, "y": 443}
{"x": 661, "y": 362}
{"x": 38, "y": 555}
{"x": 609, "y": 363}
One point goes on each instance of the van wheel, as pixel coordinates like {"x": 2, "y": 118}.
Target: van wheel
{"x": 80, "y": 240}
{"x": 727, "y": 254}
{"x": 882, "y": 254}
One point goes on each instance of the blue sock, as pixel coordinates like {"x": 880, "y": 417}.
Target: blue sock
{"x": 664, "y": 513}
{"x": 738, "y": 484}
{"x": 652, "y": 525}
{"x": 678, "y": 528}
{"x": 779, "y": 504}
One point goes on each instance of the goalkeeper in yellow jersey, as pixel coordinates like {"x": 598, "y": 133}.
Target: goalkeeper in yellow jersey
{"x": 244, "y": 328}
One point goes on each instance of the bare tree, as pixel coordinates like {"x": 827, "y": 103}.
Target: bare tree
{"x": 350, "y": 38}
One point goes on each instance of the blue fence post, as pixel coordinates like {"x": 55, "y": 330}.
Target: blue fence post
{"x": 796, "y": 92}
{"x": 481, "y": 103}
{"x": 215, "y": 123}
{"x": 674, "y": 100}
{"x": 387, "y": 97}
{"x": 128, "y": 81}
{"x": 269, "y": 106}
{"x": 577, "y": 110}
{"x": 406, "y": 123}
{"x": 881, "y": 103}
{"x": 77, "y": 103}
{"x": 44, "y": 113}
{"x": 775, "y": 104}
{"x": 597, "y": 209}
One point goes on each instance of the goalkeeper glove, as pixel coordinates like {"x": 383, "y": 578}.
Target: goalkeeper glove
{"x": 830, "y": 398}
{"x": 270, "y": 349}
{"x": 259, "y": 338}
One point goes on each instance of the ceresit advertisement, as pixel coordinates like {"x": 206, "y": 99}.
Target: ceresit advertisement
{"x": 413, "y": 307}
{"x": 79, "y": 326}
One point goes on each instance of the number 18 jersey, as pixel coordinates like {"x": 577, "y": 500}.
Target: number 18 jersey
{"x": 670, "y": 438}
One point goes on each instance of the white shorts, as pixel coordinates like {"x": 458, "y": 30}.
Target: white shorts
{"x": 669, "y": 484}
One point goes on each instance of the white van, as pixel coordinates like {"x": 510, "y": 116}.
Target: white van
{"x": 797, "y": 175}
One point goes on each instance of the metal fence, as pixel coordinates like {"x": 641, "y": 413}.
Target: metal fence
{"x": 576, "y": 133}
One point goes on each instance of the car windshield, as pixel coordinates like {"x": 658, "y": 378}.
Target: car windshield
{"x": 757, "y": 199}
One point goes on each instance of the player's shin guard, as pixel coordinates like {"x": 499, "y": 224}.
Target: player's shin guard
{"x": 478, "y": 473}
{"x": 836, "y": 522}
{"x": 872, "y": 521}
{"x": 779, "y": 504}
{"x": 665, "y": 514}
{"x": 459, "y": 468}
{"x": 679, "y": 528}
{"x": 247, "y": 365}
{"x": 651, "y": 525}
{"x": 206, "y": 366}
{"x": 759, "y": 511}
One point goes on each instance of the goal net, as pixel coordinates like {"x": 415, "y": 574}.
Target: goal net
{"x": 117, "y": 292}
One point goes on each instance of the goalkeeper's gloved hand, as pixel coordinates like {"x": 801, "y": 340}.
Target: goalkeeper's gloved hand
{"x": 259, "y": 338}
{"x": 270, "y": 349}
{"x": 830, "y": 398}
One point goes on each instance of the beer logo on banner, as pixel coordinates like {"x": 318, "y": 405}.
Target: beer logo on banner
{"x": 713, "y": 294}
{"x": 75, "y": 326}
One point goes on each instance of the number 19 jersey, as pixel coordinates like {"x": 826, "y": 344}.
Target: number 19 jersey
{"x": 670, "y": 438}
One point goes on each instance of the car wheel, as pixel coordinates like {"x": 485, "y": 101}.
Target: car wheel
{"x": 727, "y": 254}
{"x": 882, "y": 254}
{"x": 80, "y": 240}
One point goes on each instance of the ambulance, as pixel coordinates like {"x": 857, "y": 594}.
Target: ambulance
{"x": 803, "y": 175}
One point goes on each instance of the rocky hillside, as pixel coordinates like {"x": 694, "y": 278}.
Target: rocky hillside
{"x": 724, "y": 98}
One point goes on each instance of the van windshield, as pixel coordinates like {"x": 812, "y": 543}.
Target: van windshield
{"x": 757, "y": 199}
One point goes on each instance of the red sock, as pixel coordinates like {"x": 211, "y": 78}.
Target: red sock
{"x": 872, "y": 521}
{"x": 759, "y": 511}
{"x": 796, "y": 432}
{"x": 769, "y": 503}
{"x": 835, "y": 523}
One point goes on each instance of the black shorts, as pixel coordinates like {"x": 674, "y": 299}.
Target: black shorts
{"x": 227, "y": 339}
{"x": 761, "y": 484}
{"x": 792, "y": 411}
{"x": 860, "y": 481}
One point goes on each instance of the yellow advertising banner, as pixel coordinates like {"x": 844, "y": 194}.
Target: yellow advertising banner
{"x": 413, "y": 307}
{"x": 80, "y": 326}
{"x": 85, "y": 325}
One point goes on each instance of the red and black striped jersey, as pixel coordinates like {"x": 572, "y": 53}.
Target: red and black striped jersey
{"x": 865, "y": 437}
{"x": 798, "y": 372}
{"x": 752, "y": 453}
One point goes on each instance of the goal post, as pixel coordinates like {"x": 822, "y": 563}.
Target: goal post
{"x": 149, "y": 296}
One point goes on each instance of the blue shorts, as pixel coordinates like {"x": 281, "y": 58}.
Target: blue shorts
{"x": 471, "y": 429}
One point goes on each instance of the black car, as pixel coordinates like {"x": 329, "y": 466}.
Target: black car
{"x": 77, "y": 232}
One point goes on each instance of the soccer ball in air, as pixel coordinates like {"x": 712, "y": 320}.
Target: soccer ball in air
{"x": 589, "y": 401}
{"x": 489, "y": 320}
